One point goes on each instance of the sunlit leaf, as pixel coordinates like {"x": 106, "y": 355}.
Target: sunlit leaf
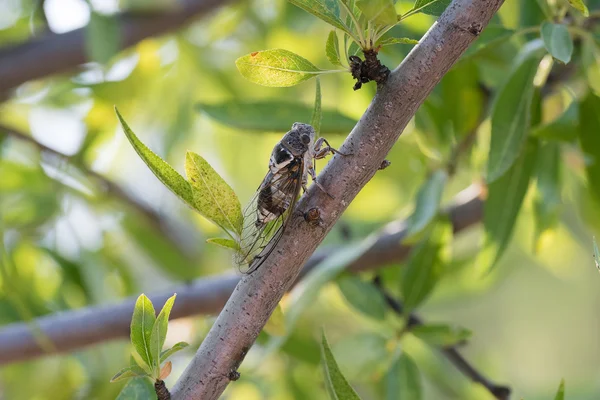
{"x": 589, "y": 127}
{"x": 381, "y": 12}
{"x": 363, "y": 296}
{"x": 137, "y": 361}
{"x": 169, "y": 352}
{"x": 393, "y": 40}
{"x": 129, "y": 372}
{"x": 327, "y": 10}
{"x": 213, "y": 197}
{"x": 427, "y": 202}
{"x": 547, "y": 200}
{"x": 563, "y": 128}
{"x": 137, "y": 389}
{"x": 431, "y": 7}
{"x": 224, "y": 242}
{"x": 275, "y": 326}
{"x": 102, "y": 37}
{"x": 558, "y": 41}
{"x": 317, "y": 115}
{"x": 403, "y": 380}
{"x": 159, "y": 331}
{"x": 334, "y": 380}
{"x": 332, "y": 49}
{"x": 163, "y": 171}
{"x": 560, "y": 394}
{"x": 142, "y": 322}
{"x": 441, "y": 335}
{"x": 580, "y": 6}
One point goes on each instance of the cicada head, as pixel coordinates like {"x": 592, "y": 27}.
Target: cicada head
{"x": 299, "y": 139}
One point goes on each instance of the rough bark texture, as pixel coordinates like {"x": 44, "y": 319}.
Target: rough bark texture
{"x": 256, "y": 296}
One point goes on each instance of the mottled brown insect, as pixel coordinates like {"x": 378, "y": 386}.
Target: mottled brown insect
{"x": 265, "y": 218}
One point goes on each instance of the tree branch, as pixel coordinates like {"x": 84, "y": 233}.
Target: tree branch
{"x": 52, "y": 53}
{"x": 75, "y": 329}
{"x": 257, "y": 295}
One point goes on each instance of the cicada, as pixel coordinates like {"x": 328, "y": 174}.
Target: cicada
{"x": 266, "y": 216}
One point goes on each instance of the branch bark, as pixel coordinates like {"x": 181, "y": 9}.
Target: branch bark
{"x": 79, "y": 328}
{"x": 257, "y": 295}
{"x": 52, "y": 53}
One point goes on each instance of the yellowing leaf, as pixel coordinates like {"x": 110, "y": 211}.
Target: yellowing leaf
{"x": 580, "y": 6}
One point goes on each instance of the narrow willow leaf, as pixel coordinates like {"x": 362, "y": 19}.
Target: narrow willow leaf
{"x": 334, "y": 380}
{"x": 137, "y": 389}
{"x": 276, "y": 68}
{"x": 317, "y": 115}
{"x": 558, "y": 41}
{"x": 275, "y": 326}
{"x": 560, "y": 394}
{"x": 547, "y": 201}
{"x": 163, "y": 171}
{"x": 213, "y": 197}
{"x": 426, "y": 265}
{"x": 428, "y": 202}
{"x": 590, "y": 58}
{"x": 580, "y": 6}
{"x": 169, "y": 352}
{"x": 129, "y": 372}
{"x": 159, "y": 331}
{"x": 142, "y": 322}
{"x": 327, "y": 10}
{"x": 403, "y": 380}
{"x": 393, "y": 40}
{"x": 503, "y": 203}
{"x": 363, "y": 296}
{"x": 431, "y": 7}
{"x": 165, "y": 371}
{"x": 332, "y": 49}
{"x": 511, "y": 118}
{"x": 564, "y": 128}
{"x": 137, "y": 360}
{"x": 589, "y": 137}
{"x": 224, "y": 242}
{"x": 441, "y": 335}
{"x": 102, "y": 37}
{"x": 381, "y": 12}
{"x": 274, "y": 116}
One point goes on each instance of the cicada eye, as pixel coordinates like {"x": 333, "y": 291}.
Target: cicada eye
{"x": 305, "y": 139}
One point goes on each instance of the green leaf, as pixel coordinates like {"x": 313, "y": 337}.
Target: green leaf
{"x": 274, "y": 116}
{"x": 332, "y": 49}
{"x": 353, "y": 49}
{"x": 589, "y": 137}
{"x": 142, "y": 322}
{"x": 393, "y": 40}
{"x": 511, "y": 118}
{"x": 102, "y": 37}
{"x": 159, "y": 332}
{"x": 441, "y": 335}
{"x": 276, "y": 68}
{"x": 503, "y": 203}
{"x": 426, "y": 265}
{"x": 327, "y": 10}
{"x": 224, "y": 242}
{"x": 590, "y": 58}
{"x": 431, "y": 7}
{"x": 363, "y": 296}
{"x": 381, "y": 12}
{"x": 275, "y": 326}
{"x": 564, "y": 128}
{"x": 428, "y": 201}
{"x": 560, "y": 394}
{"x": 214, "y": 199}
{"x": 129, "y": 372}
{"x": 336, "y": 384}
{"x": 403, "y": 380}
{"x": 169, "y": 352}
{"x": 490, "y": 36}
{"x": 547, "y": 201}
{"x": 558, "y": 41}
{"x": 580, "y": 6}
{"x": 163, "y": 171}
{"x": 137, "y": 361}
{"x": 317, "y": 115}
{"x": 137, "y": 389}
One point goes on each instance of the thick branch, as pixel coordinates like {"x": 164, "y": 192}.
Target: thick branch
{"x": 257, "y": 295}
{"x": 54, "y": 53}
{"x": 75, "y": 329}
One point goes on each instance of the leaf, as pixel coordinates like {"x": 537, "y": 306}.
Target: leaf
{"x": 136, "y": 360}
{"x": 327, "y": 10}
{"x": 142, "y": 322}
{"x": 381, "y": 12}
{"x": 430, "y": 7}
{"x": 224, "y": 242}
{"x": 102, "y": 37}
{"x": 214, "y": 199}
{"x": 560, "y": 394}
{"x": 274, "y": 116}
{"x": 159, "y": 331}
{"x": 393, "y": 40}
{"x": 511, "y": 118}
{"x": 503, "y": 203}
{"x": 129, "y": 372}
{"x": 317, "y": 116}
{"x": 427, "y": 202}
{"x": 363, "y": 355}
{"x": 161, "y": 169}
{"x": 334, "y": 380}
{"x": 590, "y": 58}
{"x": 403, "y": 380}
{"x": 363, "y": 296}
{"x": 137, "y": 389}
{"x": 557, "y": 41}
{"x": 165, "y": 371}
{"x": 564, "y": 128}
{"x": 169, "y": 352}
{"x": 426, "y": 265}
{"x": 589, "y": 128}
{"x": 332, "y": 49}
{"x": 580, "y": 6}
{"x": 275, "y": 326}
{"x": 353, "y": 49}
{"x": 490, "y": 36}
{"x": 441, "y": 335}
{"x": 547, "y": 201}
